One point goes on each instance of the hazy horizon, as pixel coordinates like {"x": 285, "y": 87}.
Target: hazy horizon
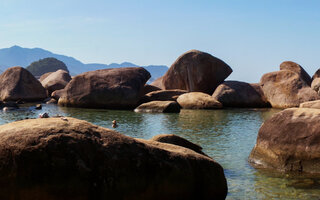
{"x": 253, "y": 37}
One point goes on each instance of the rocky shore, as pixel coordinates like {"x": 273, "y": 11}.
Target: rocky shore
{"x": 47, "y": 158}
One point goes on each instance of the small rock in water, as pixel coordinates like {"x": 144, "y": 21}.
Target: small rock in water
{"x": 5, "y": 109}
{"x": 44, "y": 115}
{"x": 38, "y": 107}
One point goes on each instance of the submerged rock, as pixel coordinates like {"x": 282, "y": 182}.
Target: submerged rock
{"x": 159, "y": 107}
{"x": 18, "y": 83}
{"x": 73, "y": 159}
{"x": 118, "y": 88}
{"x": 289, "y": 141}
{"x": 198, "y": 100}
{"x": 195, "y": 71}
{"x": 240, "y": 94}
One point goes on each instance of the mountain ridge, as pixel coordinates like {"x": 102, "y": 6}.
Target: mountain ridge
{"x": 20, "y": 56}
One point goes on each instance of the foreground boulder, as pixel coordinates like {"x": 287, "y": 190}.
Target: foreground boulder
{"x": 67, "y": 158}
{"x": 198, "y": 100}
{"x": 240, "y": 94}
{"x": 294, "y": 67}
{"x": 196, "y": 71}
{"x": 162, "y": 95}
{"x": 17, "y": 83}
{"x": 177, "y": 140}
{"x": 159, "y": 107}
{"x": 289, "y": 141}
{"x": 56, "y": 81}
{"x": 118, "y": 88}
{"x": 284, "y": 89}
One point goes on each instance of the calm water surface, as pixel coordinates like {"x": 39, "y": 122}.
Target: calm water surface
{"x": 226, "y": 135}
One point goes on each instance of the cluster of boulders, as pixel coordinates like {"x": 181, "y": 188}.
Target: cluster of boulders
{"x": 67, "y": 158}
{"x": 196, "y": 80}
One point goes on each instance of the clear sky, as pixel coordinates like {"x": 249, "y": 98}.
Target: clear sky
{"x": 253, "y": 37}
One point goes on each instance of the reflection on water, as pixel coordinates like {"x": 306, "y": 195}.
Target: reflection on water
{"x": 227, "y": 135}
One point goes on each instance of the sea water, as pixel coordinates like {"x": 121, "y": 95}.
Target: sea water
{"x": 226, "y": 135}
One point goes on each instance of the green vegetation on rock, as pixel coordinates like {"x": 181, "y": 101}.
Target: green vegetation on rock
{"x": 45, "y": 65}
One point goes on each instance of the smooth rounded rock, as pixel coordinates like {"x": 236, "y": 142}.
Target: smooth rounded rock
{"x": 285, "y": 89}
{"x": 17, "y": 83}
{"x": 117, "y": 88}
{"x": 198, "y": 100}
{"x": 196, "y": 71}
{"x": 289, "y": 141}
{"x": 159, "y": 107}
{"x": 56, "y": 81}
{"x": 240, "y": 94}
{"x": 295, "y": 67}
{"x": 67, "y": 158}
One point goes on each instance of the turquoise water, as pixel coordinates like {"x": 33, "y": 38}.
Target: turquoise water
{"x": 226, "y": 135}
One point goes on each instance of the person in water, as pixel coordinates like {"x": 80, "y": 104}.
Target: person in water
{"x": 114, "y": 124}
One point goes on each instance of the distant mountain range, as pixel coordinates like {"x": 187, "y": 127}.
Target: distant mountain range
{"x": 18, "y": 56}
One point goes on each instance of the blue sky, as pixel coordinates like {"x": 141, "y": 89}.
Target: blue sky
{"x": 253, "y": 37}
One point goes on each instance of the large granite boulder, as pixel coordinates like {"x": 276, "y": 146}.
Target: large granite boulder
{"x": 162, "y": 95}
{"x": 240, "y": 94}
{"x": 158, "y": 83}
{"x": 292, "y": 66}
{"x": 44, "y": 76}
{"x": 196, "y": 71}
{"x": 67, "y": 158}
{"x": 117, "y": 88}
{"x": 311, "y": 104}
{"x": 56, "y": 81}
{"x": 289, "y": 141}
{"x": 177, "y": 140}
{"x": 284, "y": 89}
{"x": 315, "y": 85}
{"x": 159, "y": 107}
{"x": 17, "y": 83}
{"x": 316, "y": 74}
{"x": 198, "y": 100}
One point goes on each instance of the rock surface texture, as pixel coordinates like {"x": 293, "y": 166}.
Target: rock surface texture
{"x": 289, "y": 141}
{"x": 195, "y": 71}
{"x": 17, "y": 83}
{"x": 284, "y": 89}
{"x": 56, "y": 81}
{"x": 240, "y": 94}
{"x": 159, "y": 107}
{"x": 117, "y": 88}
{"x": 294, "y": 67}
{"x": 57, "y": 158}
{"x": 198, "y": 100}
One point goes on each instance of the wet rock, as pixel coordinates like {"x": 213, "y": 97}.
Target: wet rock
{"x": 118, "y": 88}
{"x": 38, "y": 107}
{"x": 196, "y": 71}
{"x": 198, "y": 100}
{"x": 73, "y": 159}
{"x": 18, "y": 83}
{"x": 52, "y": 101}
{"x": 289, "y": 141}
{"x": 162, "y": 95}
{"x": 159, "y": 107}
